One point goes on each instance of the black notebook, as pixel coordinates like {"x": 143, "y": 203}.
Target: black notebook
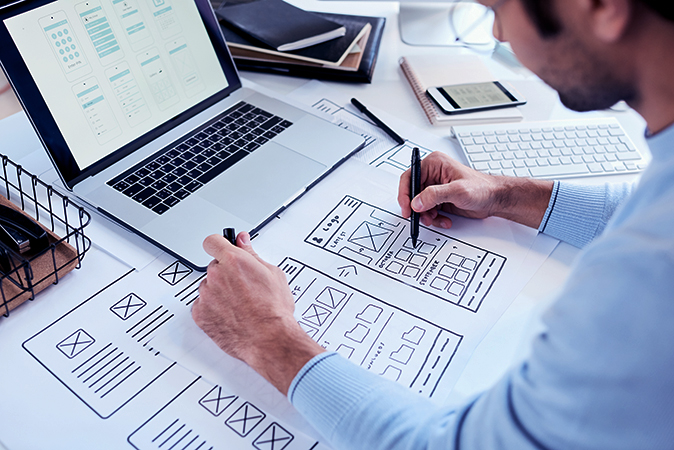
{"x": 327, "y": 50}
{"x": 280, "y": 25}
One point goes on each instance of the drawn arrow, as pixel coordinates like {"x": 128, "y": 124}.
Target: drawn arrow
{"x": 346, "y": 270}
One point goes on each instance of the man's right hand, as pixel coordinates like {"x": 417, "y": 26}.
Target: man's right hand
{"x": 453, "y": 188}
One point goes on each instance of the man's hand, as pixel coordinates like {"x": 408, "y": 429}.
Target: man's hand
{"x": 451, "y": 187}
{"x": 246, "y": 307}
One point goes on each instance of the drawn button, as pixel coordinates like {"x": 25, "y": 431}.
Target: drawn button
{"x": 216, "y": 401}
{"x": 316, "y": 315}
{"x": 331, "y": 297}
{"x": 275, "y": 437}
{"x": 128, "y": 306}
{"x": 75, "y": 344}
{"x": 175, "y": 273}
{"x": 245, "y": 419}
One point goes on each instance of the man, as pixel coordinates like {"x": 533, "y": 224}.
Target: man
{"x": 602, "y": 374}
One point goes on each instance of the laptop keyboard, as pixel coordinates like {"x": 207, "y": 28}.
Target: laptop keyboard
{"x": 173, "y": 173}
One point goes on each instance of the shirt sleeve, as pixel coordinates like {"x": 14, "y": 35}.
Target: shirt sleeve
{"x": 598, "y": 377}
{"x": 577, "y": 214}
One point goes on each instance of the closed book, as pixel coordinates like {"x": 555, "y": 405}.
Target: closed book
{"x": 329, "y": 53}
{"x": 280, "y": 25}
{"x": 365, "y": 69}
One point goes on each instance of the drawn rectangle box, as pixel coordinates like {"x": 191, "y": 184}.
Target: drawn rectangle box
{"x": 379, "y": 240}
{"x": 99, "y": 362}
{"x": 374, "y": 334}
{"x": 184, "y": 422}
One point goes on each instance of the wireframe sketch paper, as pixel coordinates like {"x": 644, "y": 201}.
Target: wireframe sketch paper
{"x": 413, "y": 315}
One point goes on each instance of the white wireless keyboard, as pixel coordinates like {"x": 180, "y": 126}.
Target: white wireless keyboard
{"x": 558, "y": 149}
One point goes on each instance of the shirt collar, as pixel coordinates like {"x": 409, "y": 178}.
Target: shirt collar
{"x": 662, "y": 143}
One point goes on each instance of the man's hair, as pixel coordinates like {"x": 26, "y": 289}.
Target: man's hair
{"x": 545, "y": 18}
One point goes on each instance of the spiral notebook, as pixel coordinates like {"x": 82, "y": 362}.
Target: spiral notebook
{"x": 424, "y": 71}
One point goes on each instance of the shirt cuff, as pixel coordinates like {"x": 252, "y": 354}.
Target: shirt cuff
{"x": 575, "y": 213}
{"x": 327, "y": 388}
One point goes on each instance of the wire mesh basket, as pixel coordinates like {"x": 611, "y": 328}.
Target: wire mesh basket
{"x": 27, "y": 275}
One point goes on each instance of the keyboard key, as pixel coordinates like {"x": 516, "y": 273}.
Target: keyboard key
{"x": 552, "y": 171}
{"x": 144, "y": 194}
{"x": 172, "y": 201}
{"x": 224, "y": 165}
{"x": 193, "y": 186}
{"x": 630, "y": 156}
{"x": 269, "y": 124}
{"x": 121, "y": 185}
{"x": 151, "y": 202}
{"x": 131, "y": 179}
{"x": 164, "y": 194}
{"x": 159, "y": 184}
{"x": 161, "y": 208}
{"x": 480, "y": 157}
{"x": 146, "y": 181}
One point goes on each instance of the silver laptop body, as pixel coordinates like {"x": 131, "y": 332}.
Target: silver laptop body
{"x": 112, "y": 100}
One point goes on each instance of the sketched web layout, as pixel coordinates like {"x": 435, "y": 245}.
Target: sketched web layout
{"x": 370, "y": 332}
{"x": 453, "y": 270}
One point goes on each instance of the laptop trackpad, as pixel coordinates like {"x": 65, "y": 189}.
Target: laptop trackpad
{"x": 258, "y": 185}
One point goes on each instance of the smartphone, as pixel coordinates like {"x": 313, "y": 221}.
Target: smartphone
{"x": 465, "y": 98}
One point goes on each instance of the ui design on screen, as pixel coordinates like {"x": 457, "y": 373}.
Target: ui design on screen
{"x": 112, "y": 70}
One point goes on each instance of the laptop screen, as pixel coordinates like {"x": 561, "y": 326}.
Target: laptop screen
{"x": 112, "y": 72}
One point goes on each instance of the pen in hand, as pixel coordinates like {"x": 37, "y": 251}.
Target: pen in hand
{"x": 375, "y": 119}
{"x": 230, "y": 235}
{"x": 415, "y": 189}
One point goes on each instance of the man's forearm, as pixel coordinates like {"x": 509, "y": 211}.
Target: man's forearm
{"x": 522, "y": 200}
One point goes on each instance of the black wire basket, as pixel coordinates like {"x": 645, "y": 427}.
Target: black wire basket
{"x": 55, "y": 212}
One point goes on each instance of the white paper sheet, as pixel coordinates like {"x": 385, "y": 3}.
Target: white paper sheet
{"x": 380, "y": 149}
{"x": 412, "y": 315}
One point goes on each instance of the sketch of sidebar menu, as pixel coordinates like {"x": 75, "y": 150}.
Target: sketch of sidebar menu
{"x": 447, "y": 268}
{"x": 370, "y": 332}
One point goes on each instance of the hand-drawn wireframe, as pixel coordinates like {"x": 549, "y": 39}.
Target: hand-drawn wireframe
{"x": 175, "y": 273}
{"x": 403, "y": 354}
{"x": 358, "y": 333}
{"x": 216, "y": 401}
{"x": 391, "y": 373}
{"x": 450, "y": 269}
{"x": 128, "y": 306}
{"x": 390, "y": 335}
{"x": 388, "y": 154}
{"x": 414, "y": 336}
{"x": 275, "y": 437}
{"x": 75, "y": 344}
{"x": 345, "y": 351}
{"x": 244, "y": 419}
{"x": 185, "y": 423}
{"x": 108, "y": 365}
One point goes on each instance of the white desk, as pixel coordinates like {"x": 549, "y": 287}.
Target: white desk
{"x": 390, "y": 92}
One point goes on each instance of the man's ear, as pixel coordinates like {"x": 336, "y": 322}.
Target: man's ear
{"x": 608, "y": 19}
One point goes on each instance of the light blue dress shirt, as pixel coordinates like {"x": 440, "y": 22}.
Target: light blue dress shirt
{"x": 600, "y": 377}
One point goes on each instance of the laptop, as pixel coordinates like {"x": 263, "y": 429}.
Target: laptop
{"x": 142, "y": 112}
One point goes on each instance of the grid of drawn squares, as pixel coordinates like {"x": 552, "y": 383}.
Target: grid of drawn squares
{"x": 414, "y": 258}
{"x": 453, "y": 276}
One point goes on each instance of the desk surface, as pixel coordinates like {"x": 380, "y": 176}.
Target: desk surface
{"x": 389, "y": 91}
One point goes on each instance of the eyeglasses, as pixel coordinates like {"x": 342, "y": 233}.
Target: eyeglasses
{"x": 472, "y": 23}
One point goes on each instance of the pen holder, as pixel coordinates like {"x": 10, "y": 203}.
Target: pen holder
{"x": 62, "y": 219}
